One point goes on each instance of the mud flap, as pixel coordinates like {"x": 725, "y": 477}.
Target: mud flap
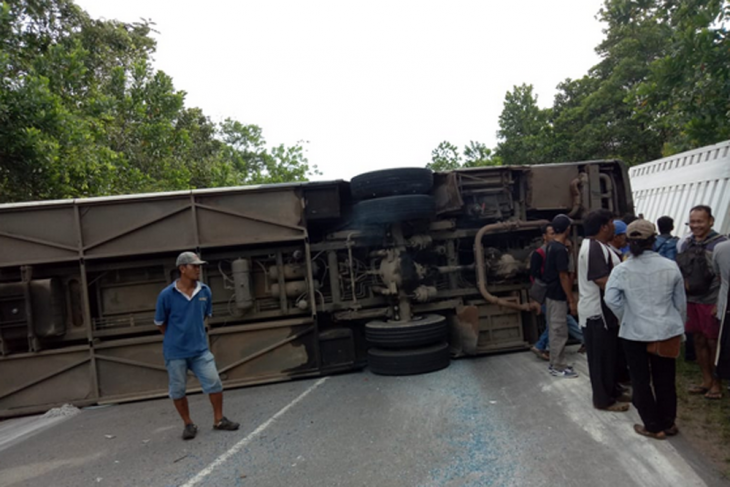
{"x": 464, "y": 331}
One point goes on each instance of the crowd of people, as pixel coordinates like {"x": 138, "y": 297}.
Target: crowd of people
{"x": 641, "y": 294}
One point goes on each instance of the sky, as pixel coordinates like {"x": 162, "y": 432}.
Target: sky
{"x": 365, "y": 84}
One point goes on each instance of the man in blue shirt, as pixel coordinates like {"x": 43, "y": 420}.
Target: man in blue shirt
{"x": 666, "y": 244}
{"x": 181, "y": 311}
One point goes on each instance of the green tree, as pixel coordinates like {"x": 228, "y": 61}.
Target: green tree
{"x": 84, "y": 113}
{"x": 524, "y": 130}
{"x": 445, "y": 157}
{"x": 687, "y": 93}
{"x": 477, "y": 154}
{"x": 661, "y": 87}
{"x": 245, "y": 154}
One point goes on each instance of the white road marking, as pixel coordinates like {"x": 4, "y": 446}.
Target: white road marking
{"x": 237, "y": 447}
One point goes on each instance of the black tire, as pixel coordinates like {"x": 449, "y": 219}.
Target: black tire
{"x": 409, "y": 362}
{"x": 422, "y": 331}
{"x": 391, "y": 182}
{"x": 394, "y": 209}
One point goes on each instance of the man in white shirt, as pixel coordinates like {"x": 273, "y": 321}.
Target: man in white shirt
{"x": 595, "y": 262}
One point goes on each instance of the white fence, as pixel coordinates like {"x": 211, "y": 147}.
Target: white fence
{"x": 673, "y": 185}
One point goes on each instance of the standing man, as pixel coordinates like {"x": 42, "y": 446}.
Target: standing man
{"x": 537, "y": 269}
{"x": 666, "y": 244}
{"x": 721, "y": 262}
{"x": 618, "y": 240}
{"x": 559, "y": 297}
{"x": 702, "y": 286}
{"x": 595, "y": 263}
{"x": 180, "y": 315}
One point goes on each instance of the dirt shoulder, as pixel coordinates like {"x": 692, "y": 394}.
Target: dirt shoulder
{"x": 705, "y": 423}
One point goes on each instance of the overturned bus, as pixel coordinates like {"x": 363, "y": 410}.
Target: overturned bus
{"x": 399, "y": 270}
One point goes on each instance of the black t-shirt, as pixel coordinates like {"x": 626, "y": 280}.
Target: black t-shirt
{"x": 598, "y": 263}
{"x": 556, "y": 261}
{"x": 536, "y": 264}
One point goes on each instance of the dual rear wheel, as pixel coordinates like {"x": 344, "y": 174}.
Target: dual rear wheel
{"x": 392, "y": 196}
{"x": 414, "y": 347}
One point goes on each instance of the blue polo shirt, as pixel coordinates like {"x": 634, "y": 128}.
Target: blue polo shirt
{"x": 185, "y": 319}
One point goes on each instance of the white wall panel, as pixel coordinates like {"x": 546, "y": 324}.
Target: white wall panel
{"x": 673, "y": 185}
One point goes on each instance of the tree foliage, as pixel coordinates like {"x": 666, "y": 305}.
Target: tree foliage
{"x": 446, "y": 156}
{"x": 522, "y": 128}
{"x": 662, "y": 86}
{"x": 84, "y": 113}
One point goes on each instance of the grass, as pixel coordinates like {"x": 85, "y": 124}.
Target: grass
{"x": 705, "y": 423}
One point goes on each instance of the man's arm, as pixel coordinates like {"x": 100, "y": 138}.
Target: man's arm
{"x": 614, "y": 297}
{"x": 566, "y": 280}
{"x": 161, "y": 314}
{"x": 679, "y": 297}
{"x": 535, "y": 265}
{"x": 598, "y": 266}
{"x": 601, "y": 283}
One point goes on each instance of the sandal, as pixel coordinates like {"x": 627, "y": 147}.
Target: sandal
{"x": 540, "y": 353}
{"x": 672, "y": 430}
{"x": 643, "y": 432}
{"x": 617, "y": 407}
{"x": 624, "y": 397}
{"x": 697, "y": 390}
{"x": 713, "y": 395}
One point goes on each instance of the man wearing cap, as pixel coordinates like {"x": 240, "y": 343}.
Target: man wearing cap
{"x": 537, "y": 268}
{"x": 618, "y": 242}
{"x": 180, "y": 315}
{"x": 559, "y": 296}
{"x": 595, "y": 263}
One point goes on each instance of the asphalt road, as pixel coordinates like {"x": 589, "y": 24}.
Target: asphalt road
{"x": 498, "y": 420}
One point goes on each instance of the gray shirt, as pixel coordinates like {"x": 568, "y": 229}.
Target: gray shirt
{"x": 721, "y": 263}
{"x": 647, "y": 295}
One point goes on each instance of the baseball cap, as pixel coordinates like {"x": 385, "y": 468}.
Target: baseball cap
{"x": 561, "y": 223}
{"x": 189, "y": 258}
{"x": 620, "y": 227}
{"x": 641, "y": 229}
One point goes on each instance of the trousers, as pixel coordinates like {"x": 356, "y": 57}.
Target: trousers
{"x": 557, "y": 318}
{"x": 602, "y": 349}
{"x": 654, "y": 387}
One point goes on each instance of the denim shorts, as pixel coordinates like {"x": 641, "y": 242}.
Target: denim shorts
{"x": 203, "y": 366}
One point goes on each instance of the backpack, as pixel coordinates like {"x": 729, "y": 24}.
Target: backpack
{"x": 697, "y": 273}
{"x": 541, "y": 252}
